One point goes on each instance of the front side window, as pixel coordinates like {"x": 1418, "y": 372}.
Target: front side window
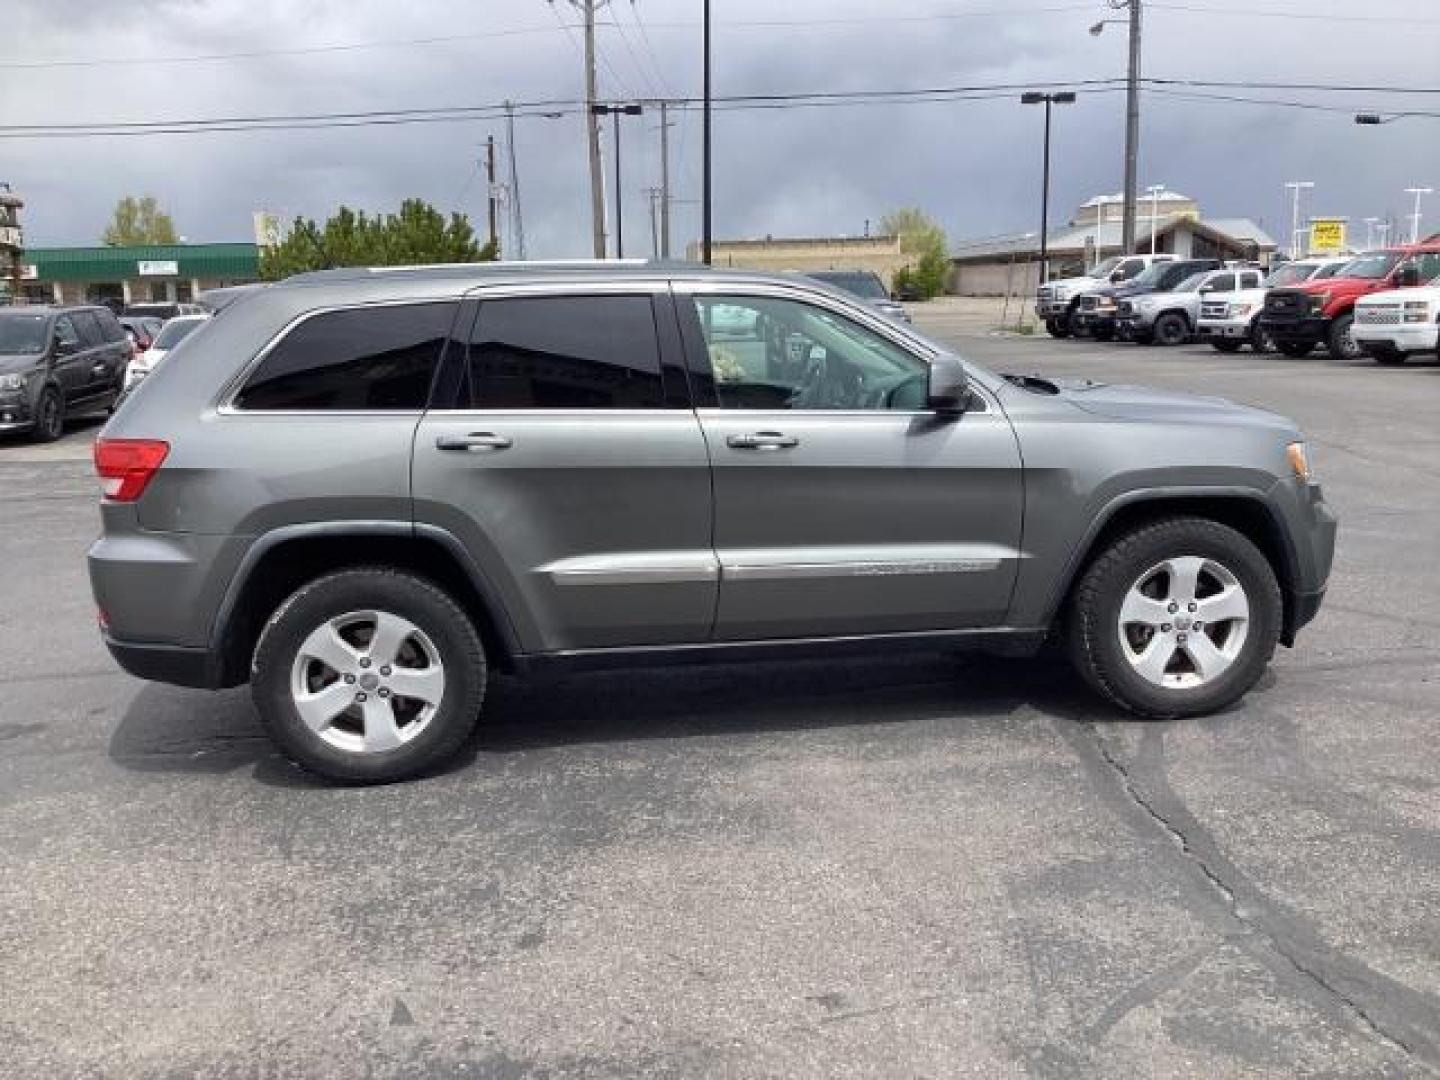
{"x": 1131, "y": 268}
{"x": 365, "y": 358}
{"x": 768, "y": 353}
{"x": 1370, "y": 267}
{"x": 65, "y": 332}
{"x": 565, "y": 352}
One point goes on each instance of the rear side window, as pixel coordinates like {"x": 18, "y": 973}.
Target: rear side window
{"x": 565, "y": 352}
{"x": 89, "y": 328}
{"x": 109, "y": 325}
{"x": 380, "y": 357}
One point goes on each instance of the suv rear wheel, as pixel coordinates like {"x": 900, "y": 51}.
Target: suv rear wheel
{"x": 1177, "y": 618}
{"x": 369, "y": 675}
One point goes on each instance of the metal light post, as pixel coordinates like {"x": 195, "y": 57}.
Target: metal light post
{"x": 1415, "y": 217}
{"x": 1370, "y": 223}
{"x": 1296, "y": 186}
{"x": 706, "y": 233}
{"x": 1063, "y": 97}
{"x": 616, "y": 111}
{"x": 1154, "y": 191}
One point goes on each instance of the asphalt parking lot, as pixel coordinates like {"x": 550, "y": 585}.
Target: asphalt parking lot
{"x": 925, "y": 866}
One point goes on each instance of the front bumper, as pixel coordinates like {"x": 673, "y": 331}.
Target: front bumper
{"x": 1223, "y": 329}
{"x": 1052, "y": 309}
{"x": 1311, "y": 526}
{"x": 1310, "y": 329}
{"x": 1396, "y": 337}
{"x": 15, "y": 411}
{"x": 1092, "y": 321}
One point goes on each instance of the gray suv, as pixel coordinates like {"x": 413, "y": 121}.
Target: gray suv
{"x": 365, "y": 490}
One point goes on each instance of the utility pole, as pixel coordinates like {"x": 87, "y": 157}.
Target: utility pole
{"x": 655, "y": 194}
{"x": 707, "y": 237}
{"x": 664, "y": 181}
{"x": 494, "y": 207}
{"x": 587, "y": 9}
{"x": 517, "y": 220}
{"x": 1132, "y": 128}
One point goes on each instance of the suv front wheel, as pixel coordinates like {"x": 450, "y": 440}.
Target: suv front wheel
{"x": 1177, "y": 618}
{"x": 369, "y": 676}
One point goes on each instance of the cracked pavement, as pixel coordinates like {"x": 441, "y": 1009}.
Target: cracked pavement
{"x": 914, "y": 866}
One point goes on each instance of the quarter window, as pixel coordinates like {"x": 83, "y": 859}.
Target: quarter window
{"x": 380, "y": 357}
{"x": 565, "y": 352}
{"x": 65, "y": 332}
{"x": 89, "y": 328}
{"x": 768, "y": 353}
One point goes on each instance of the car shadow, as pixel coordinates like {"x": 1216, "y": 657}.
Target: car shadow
{"x": 172, "y": 730}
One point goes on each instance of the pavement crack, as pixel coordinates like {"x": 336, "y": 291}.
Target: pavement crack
{"x": 1245, "y": 913}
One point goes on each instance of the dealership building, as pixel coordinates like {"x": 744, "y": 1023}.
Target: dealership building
{"x": 133, "y": 275}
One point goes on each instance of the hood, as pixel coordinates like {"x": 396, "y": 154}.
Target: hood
{"x": 1237, "y": 296}
{"x": 1124, "y": 292}
{"x": 1399, "y": 296}
{"x": 12, "y": 362}
{"x": 1125, "y": 402}
{"x": 1070, "y": 283}
{"x": 1335, "y": 285}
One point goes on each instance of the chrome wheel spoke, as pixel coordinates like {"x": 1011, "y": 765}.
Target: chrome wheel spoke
{"x": 1224, "y": 606}
{"x": 391, "y": 632}
{"x": 1183, "y": 622}
{"x": 317, "y": 710}
{"x": 419, "y": 684}
{"x": 381, "y": 731}
{"x": 1209, "y": 661}
{"x": 1152, "y": 662}
{"x": 1184, "y": 575}
{"x": 1139, "y": 609}
{"x": 326, "y": 645}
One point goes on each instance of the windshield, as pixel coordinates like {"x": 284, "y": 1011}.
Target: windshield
{"x": 176, "y": 331}
{"x": 1105, "y": 267}
{"x": 1328, "y": 271}
{"x": 1290, "y": 274}
{"x": 860, "y": 284}
{"x": 23, "y": 332}
{"x": 1370, "y": 267}
{"x": 1151, "y": 275}
{"x": 1193, "y": 282}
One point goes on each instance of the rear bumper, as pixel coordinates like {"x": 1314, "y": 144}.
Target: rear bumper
{"x": 175, "y": 664}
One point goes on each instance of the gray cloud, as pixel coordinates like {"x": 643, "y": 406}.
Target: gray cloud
{"x": 975, "y": 164}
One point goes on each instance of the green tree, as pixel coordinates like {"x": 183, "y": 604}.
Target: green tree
{"x": 923, "y": 240}
{"x": 418, "y": 234}
{"x": 139, "y": 221}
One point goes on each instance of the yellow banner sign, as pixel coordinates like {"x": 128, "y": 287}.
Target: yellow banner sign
{"x": 1327, "y": 235}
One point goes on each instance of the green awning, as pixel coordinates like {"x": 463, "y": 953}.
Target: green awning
{"x": 232, "y": 261}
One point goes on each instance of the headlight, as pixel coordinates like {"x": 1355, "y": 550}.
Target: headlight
{"x": 1106, "y": 302}
{"x": 1240, "y": 311}
{"x": 1318, "y": 302}
{"x": 12, "y": 382}
{"x": 1299, "y": 460}
{"x": 1417, "y": 311}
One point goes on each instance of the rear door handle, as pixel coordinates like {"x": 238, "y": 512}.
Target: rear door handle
{"x": 476, "y": 440}
{"x": 762, "y": 440}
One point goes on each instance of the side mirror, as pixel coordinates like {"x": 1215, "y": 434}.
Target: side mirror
{"x": 66, "y": 348}
{"x": 947, "y": 387}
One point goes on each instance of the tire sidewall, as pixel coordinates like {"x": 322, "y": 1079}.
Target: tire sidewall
{"x": 43, "y": 432}
{"x": 1175, "y": 325}
{"x": 443, "y": 622}
{"x": 1208, "y": 540}
{"x": 1339, "y": 332}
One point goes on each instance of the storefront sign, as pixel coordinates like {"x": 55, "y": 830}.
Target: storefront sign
{"x": 1327, "y": 235}
{"x": 159, "y": 268}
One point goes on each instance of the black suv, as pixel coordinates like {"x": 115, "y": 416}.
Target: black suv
{"x": 1099, "y": 308}
{"x": 58, "y": 360}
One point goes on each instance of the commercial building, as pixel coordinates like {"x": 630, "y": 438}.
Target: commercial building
{"x": 777, "y": 254}
{"x": 12, "y": 241}
{"x": 132, "y": 275}
{"x": 1001, "y": 265}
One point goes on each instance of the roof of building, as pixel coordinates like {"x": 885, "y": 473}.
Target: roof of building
{"x": 1108, "y": 235}
{"x": 1119, "y": 197}
{"x": 117, "y": 263}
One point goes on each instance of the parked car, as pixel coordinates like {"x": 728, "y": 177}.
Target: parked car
{"x": 1229, "y": 320}
{"x": 141, "y": 330}
{"x": 171, "y": 334}
{"x": 1057, "y": 302}
{"x": 865, "y": 284}
{"x": 1393, "y": 326}
{"x": 58, "y": 361}
{"x": 1170, "y": 317}
{"x": 379, "y": 487}
{"x": 160, "y": 309}
{"x": 1314, "y": 313}
{"x": 1099, "y": 308}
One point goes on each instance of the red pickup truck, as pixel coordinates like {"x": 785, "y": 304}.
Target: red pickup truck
{"x": 1298, "y": 318}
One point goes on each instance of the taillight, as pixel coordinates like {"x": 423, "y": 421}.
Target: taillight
{"x": 126, "y": 465}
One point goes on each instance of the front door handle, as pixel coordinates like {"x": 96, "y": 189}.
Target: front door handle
{"x": 476, "y": 440}
{"x": 762, "y": 440}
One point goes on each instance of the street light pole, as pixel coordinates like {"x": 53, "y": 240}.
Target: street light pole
{"x": 1296, "y": 186}
{"x": 706, "y": 221}
{"x": 632, "y": 109}
{"x": 1415, "y": 217}
{"x": 1154, "y": 191}
{"x": 1132, "y": 117}
{"x": 1064, "y": 97}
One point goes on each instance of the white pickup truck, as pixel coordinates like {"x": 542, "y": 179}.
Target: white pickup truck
{"x": 1229, "y": 320}
{"x": 1056, "y": 301}
{"x": 1391, "y": 326}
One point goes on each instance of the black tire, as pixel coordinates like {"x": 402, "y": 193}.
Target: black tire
{"x": 1103, "y": 333}
{"x": 1072, "y": 322}
{"x": 448, "y": 629}
{"x": 1142, "y": 337}
{"x": 1338, "y": 341}
{"x": 1388, "y": 358}
{"x": 1058, "y": 328}
{"x": 1295, "y": 349}
{"x": 1227, "y": 345}
{"x": 1094, "y": 619}
{"x": 1171, "y": 329}
{"x": 49, "y": 416}
{"x": 1259, "y": 339}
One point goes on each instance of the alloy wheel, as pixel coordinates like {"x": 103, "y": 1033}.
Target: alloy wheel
{"x": 1183, "y": 623}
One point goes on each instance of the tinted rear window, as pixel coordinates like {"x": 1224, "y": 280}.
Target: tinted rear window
{"x": 380, "y": 357}
{"x": 89, "y": 327}
{"x": 566, "y": 352}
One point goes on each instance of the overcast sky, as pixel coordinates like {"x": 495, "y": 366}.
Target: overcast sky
{"x": 974, "y": 165}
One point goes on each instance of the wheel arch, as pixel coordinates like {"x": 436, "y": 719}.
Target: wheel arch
{"x": 1243, "y": 509}
{"x": 282, "y": 560}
